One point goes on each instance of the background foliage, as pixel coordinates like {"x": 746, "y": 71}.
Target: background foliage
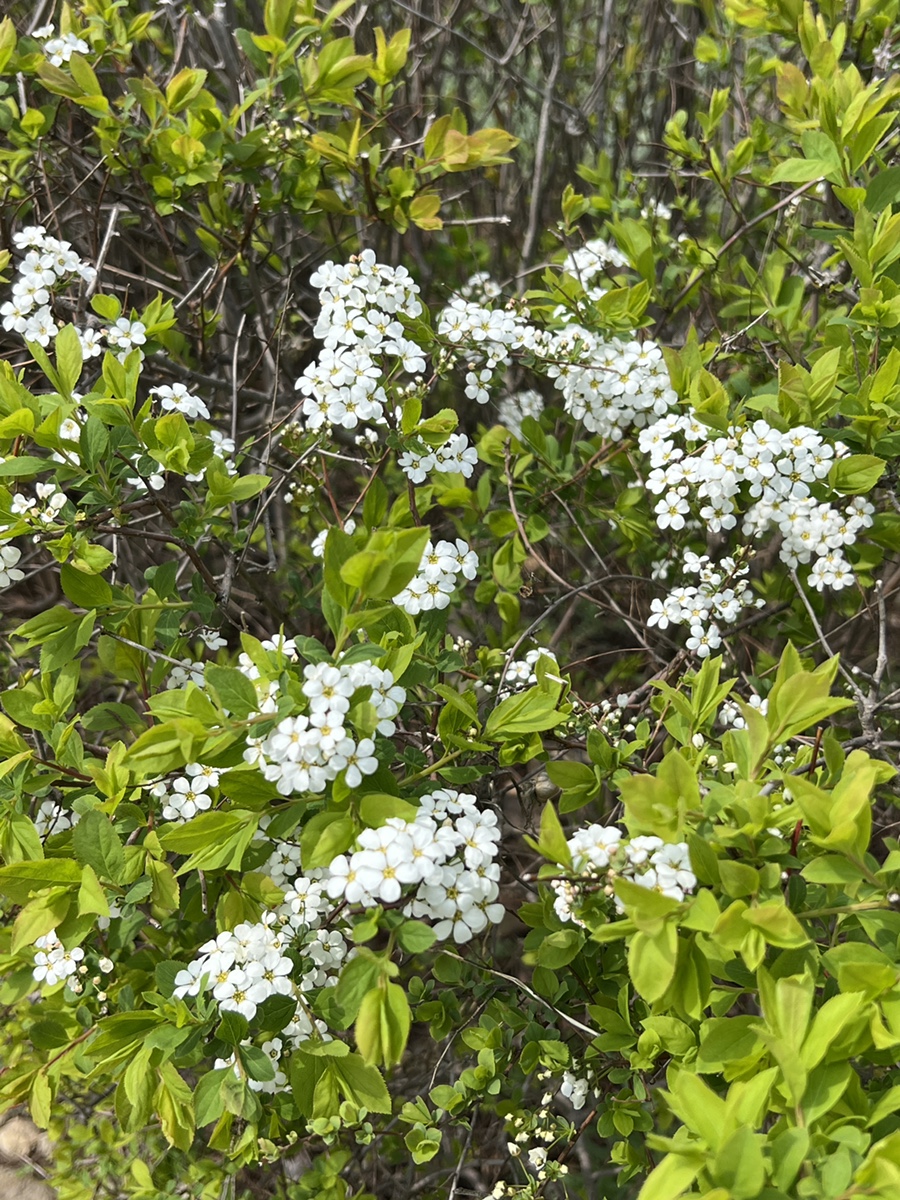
{"x": 720, "y": 1020}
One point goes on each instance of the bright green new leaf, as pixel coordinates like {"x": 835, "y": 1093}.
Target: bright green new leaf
{"x": 382, "y": 1025}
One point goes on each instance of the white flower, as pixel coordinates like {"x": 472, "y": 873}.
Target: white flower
{"x": 185, "y": 672}
{"x": 670, "y": 511}
{"x": 125, "y": 335}
{"x": 9, "y": 572}
{"x": 178, "y": 399}
{"x": 361, "y": 761}
{"x": 59, "y": 50}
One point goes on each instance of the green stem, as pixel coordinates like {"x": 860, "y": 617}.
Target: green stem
{"x": 442, "y": 762}
{"x": 846, "y": 909}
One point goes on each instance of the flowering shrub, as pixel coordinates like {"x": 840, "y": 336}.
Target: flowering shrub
{"x": 332, "y": 831}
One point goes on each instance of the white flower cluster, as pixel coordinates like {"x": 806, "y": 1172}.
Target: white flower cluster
{"x": 437, "y": 576}
{"x": 42, "y": 509}
{"x": 59, "y": 50}
{"x": 48, "y": 263}
{"x": 305, "y": 752}
{"x": 599, "y": 854}
{"x": 609, "y": 384}
{"x": 306, "y": 903}
{"x": 522, "y": 672}
{"x": 241, "y": 967}
{"x": 575, "y": 1089}
{"x": 455, "y": 456}
{"x": 722, "y": 594}
{"x": 267, "y": 690}
{"x": 447, "y": 853}
{"x": 512, "y": 409}
{"x": 535, "y": 1134}
{"x": 779, "y": 471}
{"x": 53, "y": 818}
{"x": 53, "y": 962}
{"x": 176, "y": 398}
{"x": 125, "y": 335}
{"x": 592, "y": 258}
{"x": 486, "y": 337}
{"x": 358, "y": 323}
{"x": 245, "y": 966}
{"x": 188, "y": 794}
{"x": 730, "y": 713}
{"x": 283, "y": 864}
{"x": 479, "y": 287}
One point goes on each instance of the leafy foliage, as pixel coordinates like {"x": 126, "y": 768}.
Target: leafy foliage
{"x": 362, "y": 803}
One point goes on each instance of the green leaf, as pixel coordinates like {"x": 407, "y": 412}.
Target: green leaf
{"x": 658, "y": 804}
{"x": 698, "y": 1106}
{"x": 40, "y": 1100}
{"x": 789, "y": 1153}
{"x": 530, "y": 711}
{"x": 23, "y": 466}
{"x": 382, "y": 1026}
{"x": 259, "y": 1066}
{"x": 801, "y": 699}
{"x": 60, "y": 648}
{"x": 644, "y": 906}
{"x": 857, "y": 474}
{"x": 387, "y": 563}
{"x": 832, "y": 868}
{"x": 361, "y": 1084}
{"x": 777, "y": 924}
{"x": 91, "y": 896}
{"x": 651, "y": 960}
{"x": 739, "y": 1165}
{"x": 672, "y": 1177}
{"x": 560, "y": 948}
{"x": 87, "y": 591}
{"x": 415, "y": 936}
{"x": 209, "y": 1102}
{"x": 233, "y": 690}
{"x": 377, "y": 807}
{"x": 552, "y": 841}
{"x": 20, "y": 881}
{"x": 181, "y": 90}
{"x": 95, "y": 844}
{"x": 883, "y": 189}
{"x": 338, "y": 549}
{"x": 274, "y": 1013}
{"x": 277, "y": 17}
{"x": 325, "y": 836}
{"x": 827, "y": 1084}
{"x": 357, "y": 979}
{"x": 69, "y": 359}
{"x": 422, "y": 1143}
{"x": 800, "y": 170}
{"x": 39, "y": 916}
{"x": 232, "y": 1028}
{"x": 724, "y": 1040}
{"x": 307, "y": 1074}
{"x": 167, "y": 746}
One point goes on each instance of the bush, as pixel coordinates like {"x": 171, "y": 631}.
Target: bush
{"x": 448, "y": 733}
